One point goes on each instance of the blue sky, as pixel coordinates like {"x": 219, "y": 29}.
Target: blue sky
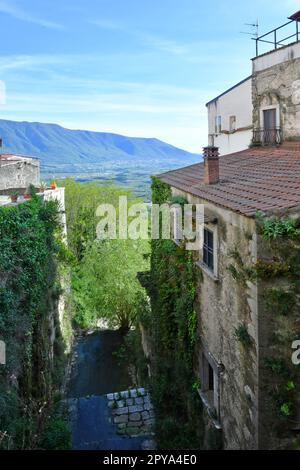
{"x": 135, "y": 67}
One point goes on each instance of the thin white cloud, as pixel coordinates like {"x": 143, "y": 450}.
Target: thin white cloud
{"x": 16, "y": 12}
{"x": 164, "y": 45}
{"x": 158, "y": 42}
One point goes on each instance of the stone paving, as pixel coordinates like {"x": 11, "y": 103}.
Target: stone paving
{"x": 132, "y": 412}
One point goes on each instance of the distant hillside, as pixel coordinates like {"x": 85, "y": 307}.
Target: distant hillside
{"x": 55, "y": 144}
{"x": 92, "y": 155}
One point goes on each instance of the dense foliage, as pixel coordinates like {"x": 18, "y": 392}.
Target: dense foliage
{"x": 278, "y": 273}
{"x": 106, "y": 285}
{"x": 104, "y": 280}
{"x": 173, "y": 327}
{"x": 29, "y": 289}
{"x": 82, "y": 201}
{"x": 282, "y": 235}
{"x": 276, "y": 227}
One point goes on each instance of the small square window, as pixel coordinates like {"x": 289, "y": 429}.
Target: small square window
{"x": 208, "y": 249}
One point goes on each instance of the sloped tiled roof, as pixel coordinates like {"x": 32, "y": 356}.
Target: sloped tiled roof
{"x": 263, "y": 178}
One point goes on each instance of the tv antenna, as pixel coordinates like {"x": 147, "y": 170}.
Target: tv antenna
{"x": 255, "y": 28}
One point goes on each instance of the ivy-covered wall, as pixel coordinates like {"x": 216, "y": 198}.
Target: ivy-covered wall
{"x": 30, "y": 253}
{"x": 247, "y": 318}
{"x": 278, "y": 274}
{"x": 173, "y": 328}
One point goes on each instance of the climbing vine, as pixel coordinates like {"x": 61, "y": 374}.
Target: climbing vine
{"x": 278, "y": 273}
{"x": 29, "y": 289}
{"x": 174, "y": 331}
{"x": 282, "y": 236}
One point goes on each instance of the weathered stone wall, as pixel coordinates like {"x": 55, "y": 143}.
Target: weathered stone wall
{"x": 275, "y": 336}
{"x": 223, "y": 305}
{"x": 19, "y": 174}
{"x": 278, "y": 85}
{"x": 132, "y": 412}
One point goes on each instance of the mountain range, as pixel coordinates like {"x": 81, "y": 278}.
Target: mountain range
{"x": 89, "y": 155}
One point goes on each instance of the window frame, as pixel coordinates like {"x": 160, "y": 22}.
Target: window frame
{"x": 218, "y": 124}
{"x": 208, "y": 252}
{"x": 267, "y": 108}
{"x": 210, "y": 397}
{"x": 232, "y": 123}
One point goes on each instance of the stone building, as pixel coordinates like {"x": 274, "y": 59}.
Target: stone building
{"x": 238, "y": 335}
{"x": 18, "y": 172}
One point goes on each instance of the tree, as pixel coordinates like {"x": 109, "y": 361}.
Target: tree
{"x": 106, "y": 284}
{"x": 82, "y": 201}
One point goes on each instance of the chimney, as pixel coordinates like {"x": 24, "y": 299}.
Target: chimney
{"x": 211, "y": 165}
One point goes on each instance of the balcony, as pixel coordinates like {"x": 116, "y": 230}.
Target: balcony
{"x": 279, "y": 37}
{"x": 267, "y": 137}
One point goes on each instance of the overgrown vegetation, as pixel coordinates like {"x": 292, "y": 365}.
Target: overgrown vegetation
{"x": 242, "y": 335}
{"x": 30, "y": 248}
{"x": 106, "y": 286}
{"x": 56, "y": 433}
{"x": 104, "y": 277}
{"x": 278, "y": 274}
{"x": 278, "y": 227}
{"x": 173, "y": 327}
{"x": 280, "y": 301}
{"x": 282, "y": 236}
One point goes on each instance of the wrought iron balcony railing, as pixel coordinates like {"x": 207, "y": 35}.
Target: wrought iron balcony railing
{"x": 267, "y": 136}
{"x": 281, "y": 36}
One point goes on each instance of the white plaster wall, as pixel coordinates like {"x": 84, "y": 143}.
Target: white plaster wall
{"x": 234, "y": 142}
{"x": 276, "y": 57}
{"x": 59, "y": 195}
{"x": 237, "y": 102}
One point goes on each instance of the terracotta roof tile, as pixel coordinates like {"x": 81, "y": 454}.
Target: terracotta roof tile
{"x": 255, "y": 179}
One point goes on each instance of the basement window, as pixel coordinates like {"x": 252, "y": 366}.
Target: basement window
{"x": 208, "y": 249}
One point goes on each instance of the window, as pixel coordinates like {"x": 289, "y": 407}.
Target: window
{"x": 270, "y": 131}
{"x": 232, "y": 123}
{"x": 218, "y": 124}
{"x": 269, "y": 119}
{"x": 208, "y": 381}
{"x": 210, "y": 392}
{"x": 208, "y": 249}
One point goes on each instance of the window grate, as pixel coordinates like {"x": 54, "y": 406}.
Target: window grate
{"x": 208, "y": 249}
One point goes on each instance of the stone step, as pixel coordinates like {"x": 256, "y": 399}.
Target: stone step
{"x": 93, "y": 428}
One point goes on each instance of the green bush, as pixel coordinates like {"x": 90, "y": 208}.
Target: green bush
{"x": 57, "y": 435}
{"x": 277, "y": 227}
{"x": 29, "y": 250}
